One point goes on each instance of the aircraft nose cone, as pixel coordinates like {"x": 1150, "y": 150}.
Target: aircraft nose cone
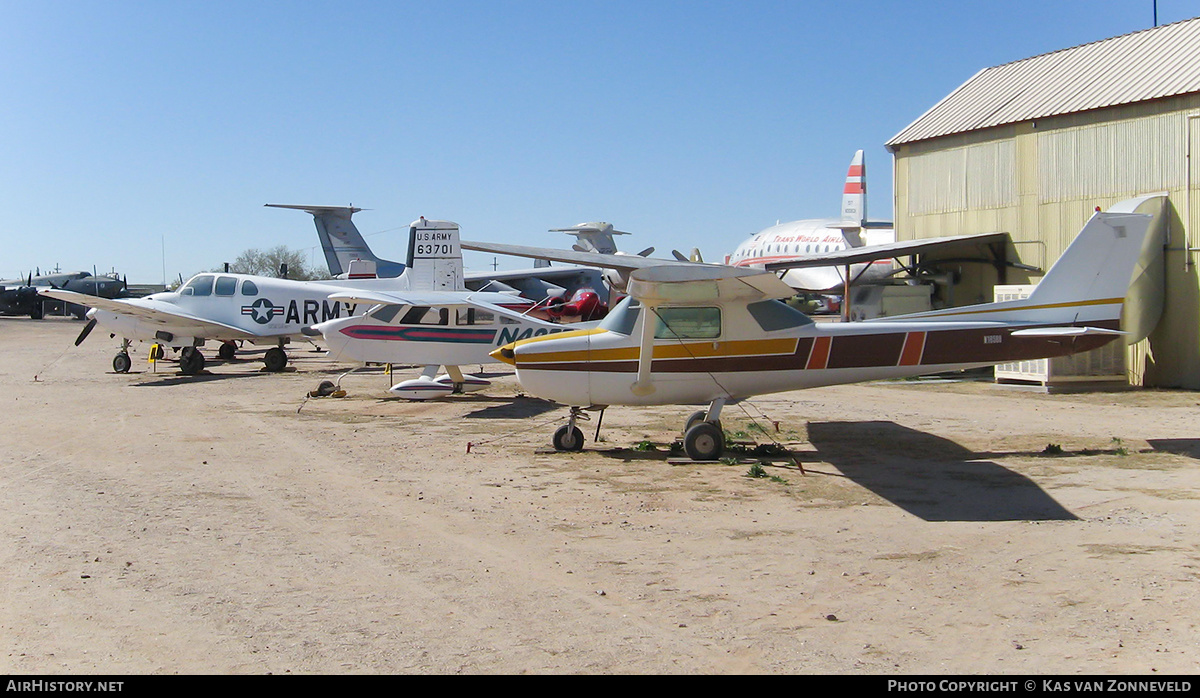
{"x": 505, "y": 354}
{"x": 319, "y": 329}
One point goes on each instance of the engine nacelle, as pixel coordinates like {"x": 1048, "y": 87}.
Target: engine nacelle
{"x": 584, "y": 304}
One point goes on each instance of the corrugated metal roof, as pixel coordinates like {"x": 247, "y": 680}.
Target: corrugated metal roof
{"x": 1144, "y": 65}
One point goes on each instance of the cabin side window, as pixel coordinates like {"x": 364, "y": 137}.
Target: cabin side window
{"x": 688, "y": 323}
{"x": 424, "y": 315}
{"x": 226, "y": 285}
{"x": 249, "y": 288}
{"x": 474, "y": 316}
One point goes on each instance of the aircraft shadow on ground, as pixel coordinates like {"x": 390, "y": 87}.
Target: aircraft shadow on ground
{"x": 1181, "y": 447}
{"x": 931, "y": 477}
{"x": 519, "y": 407}
{"x": 176, "y": 378}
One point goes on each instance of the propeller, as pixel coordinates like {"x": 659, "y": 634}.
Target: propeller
{"x": 87, "y": 329}
{"x": 646, "y": 252}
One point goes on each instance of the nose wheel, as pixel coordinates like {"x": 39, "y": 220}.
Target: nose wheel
{"x": 275, "y": 359}
{"x": 122, "y": 363}
{"x": 568, "y": 438}
{"x": 191, "y": 361}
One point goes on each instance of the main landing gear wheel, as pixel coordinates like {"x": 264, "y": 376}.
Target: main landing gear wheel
{"x": 275, "y": 359}
{"x": 704, "y": 441}
{"x": 122, "y": 363}
{"x": 696, "y": 418}
{"x": 191, "y": 361}
{"x": 226, "y": 352}
{"x": 568, "y": 437}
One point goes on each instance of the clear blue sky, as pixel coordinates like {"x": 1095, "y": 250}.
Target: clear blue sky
{"x": 130, "y": 128}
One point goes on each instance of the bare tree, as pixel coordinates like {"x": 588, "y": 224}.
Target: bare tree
{"x": 268, "y": 262}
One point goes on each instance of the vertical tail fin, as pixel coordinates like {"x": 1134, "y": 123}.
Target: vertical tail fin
{"x": 434, "y": 256}
{"x": 341, "y": 241}
{"x": 1096, "y": 267}
{"x": 1085, "y": 287}
{"x": 854, "y": 194}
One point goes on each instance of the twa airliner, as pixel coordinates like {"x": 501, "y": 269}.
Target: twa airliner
{"x": 818, "y": 237}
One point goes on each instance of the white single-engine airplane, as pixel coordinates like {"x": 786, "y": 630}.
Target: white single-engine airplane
{"x": 719, "y": 334}
{"x": 265, "y": 310}
{"x": 430, "y": 330}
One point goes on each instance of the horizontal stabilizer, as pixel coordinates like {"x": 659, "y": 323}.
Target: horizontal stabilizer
{"x": 1065, "y": 332}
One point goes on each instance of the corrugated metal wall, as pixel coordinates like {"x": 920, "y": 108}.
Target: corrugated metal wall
{"x": 1040, "y": 182}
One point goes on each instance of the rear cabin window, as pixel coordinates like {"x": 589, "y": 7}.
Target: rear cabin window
{"x": 474, "y": 316}
{"x": 777, "y": 315}
{"x": 249, "y": 288}
{"x": 688, "y": 323}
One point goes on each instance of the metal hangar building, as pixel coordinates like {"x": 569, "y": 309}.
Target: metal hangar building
{"x": 1032, "y": 147}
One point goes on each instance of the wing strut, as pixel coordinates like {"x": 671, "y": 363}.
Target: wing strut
{"x": 644, "y": 385}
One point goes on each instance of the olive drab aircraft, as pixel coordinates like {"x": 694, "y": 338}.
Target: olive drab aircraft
{"x": 22, "y": 297}
{"x": 717, "y": 334}
{"x": 269, "y": 311}
{"x": 576, "y": 292}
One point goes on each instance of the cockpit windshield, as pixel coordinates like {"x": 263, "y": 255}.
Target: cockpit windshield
{"x": 200, "y": 285}
{"x": 623, "y": 317}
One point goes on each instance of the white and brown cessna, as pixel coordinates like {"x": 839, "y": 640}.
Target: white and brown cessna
{"x": 720, "y": 334}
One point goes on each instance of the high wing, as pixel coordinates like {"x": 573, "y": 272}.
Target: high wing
{"x": 855, "y": 255}
{"x": 543, "y": 273}
{"x": 622, "y": 262}
{"x": 421, "y": 298}
{"x": 704, "y": 284}
{"x": 150, "y": 310}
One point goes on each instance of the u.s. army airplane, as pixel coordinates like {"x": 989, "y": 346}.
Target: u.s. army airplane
{"x": 566, "y": 291}
{"x": 264, "y": 310}
{"x": 720, "y": 334}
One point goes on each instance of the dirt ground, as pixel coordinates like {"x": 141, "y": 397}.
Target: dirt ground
{"x": 221, "y": 523}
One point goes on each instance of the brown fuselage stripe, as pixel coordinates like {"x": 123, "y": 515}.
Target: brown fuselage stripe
{"x": 936, "y": 348}
{"x": 914, "y": 346}
{"x": 818, "y": 355}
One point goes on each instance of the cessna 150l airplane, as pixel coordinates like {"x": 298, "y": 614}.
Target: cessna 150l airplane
{"x": 717, "y": 334}
{"x": 264, "y": 310}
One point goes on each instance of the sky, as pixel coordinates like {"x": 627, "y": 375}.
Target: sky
{"x": 145, "y": 137}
